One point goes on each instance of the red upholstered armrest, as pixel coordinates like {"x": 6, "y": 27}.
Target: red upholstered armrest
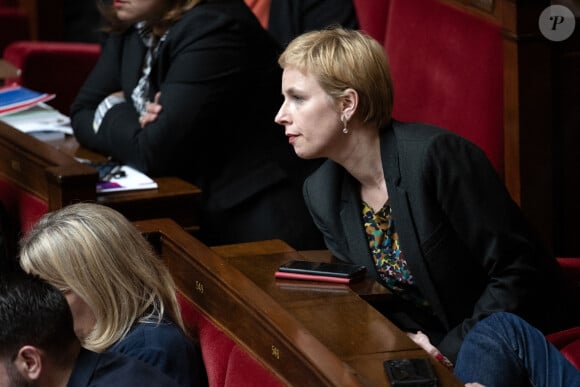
{"x": 53, "y": 67}
{"x": 226, "y": 363}
{"x": 568, "y": 342}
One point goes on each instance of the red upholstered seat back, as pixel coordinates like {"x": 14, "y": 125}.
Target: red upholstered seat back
{"x": 372, "y": 17}
{"x": 53, "y": 67}
{"x": 446, "y": 65}
{"x": 226, "y": 363}
{"x": 447, "y": 70}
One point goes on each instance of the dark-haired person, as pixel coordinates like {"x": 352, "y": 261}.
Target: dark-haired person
{"x": 38, "y": 345}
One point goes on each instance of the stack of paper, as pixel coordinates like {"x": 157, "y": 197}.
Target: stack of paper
{"x": 40, "y": 121}
{"x": 25, "y": 110}
{"x": 15, "y": 98}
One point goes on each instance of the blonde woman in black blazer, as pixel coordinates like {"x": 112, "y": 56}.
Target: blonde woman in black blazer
{"x": 204, "y": 113}
{"x": 449, "y": 241}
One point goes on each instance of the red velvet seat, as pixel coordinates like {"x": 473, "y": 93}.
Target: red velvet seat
{"x": 447, "y": 70}
{"x": 226, "y": 363}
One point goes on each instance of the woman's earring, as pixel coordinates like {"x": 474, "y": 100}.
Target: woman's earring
{"x": 344, "y": 123}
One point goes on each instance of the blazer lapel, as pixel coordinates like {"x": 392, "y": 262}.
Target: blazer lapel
{"x": 399, "y": 200}
{"x": 133, "y": 61}
{"x": 355, "y": 236}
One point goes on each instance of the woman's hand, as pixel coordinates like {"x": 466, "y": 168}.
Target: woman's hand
{"x": 423, "y": 341}
{"x": 152, "y": 111}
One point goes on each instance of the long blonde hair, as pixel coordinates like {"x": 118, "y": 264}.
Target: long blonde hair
{"x": 95, "y": 252}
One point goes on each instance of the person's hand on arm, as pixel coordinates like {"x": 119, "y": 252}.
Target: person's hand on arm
{"x": 152, "y": 111}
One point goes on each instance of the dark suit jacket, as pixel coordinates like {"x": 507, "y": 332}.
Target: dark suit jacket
{"x": 220, "y": 90}
{"x": 115, "y": 370}
{"x": 166, "y": 347}
{"x": 466, "y": 242}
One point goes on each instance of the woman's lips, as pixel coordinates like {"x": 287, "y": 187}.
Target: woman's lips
{"x": 291, "y": 137}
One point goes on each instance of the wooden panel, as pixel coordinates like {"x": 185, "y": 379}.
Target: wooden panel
{"x": 39, "y": 168}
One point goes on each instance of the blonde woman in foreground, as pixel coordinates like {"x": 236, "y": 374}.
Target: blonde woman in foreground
{"x": 121, "y": 295}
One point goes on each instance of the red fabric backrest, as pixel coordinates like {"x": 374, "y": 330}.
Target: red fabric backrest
{"x": 226, "y": 363}
{"x": 372, "y": 17}
{"x": 446, "y": 67}
{"x": 53, "y": 67}
{"x": 22, "y": 205}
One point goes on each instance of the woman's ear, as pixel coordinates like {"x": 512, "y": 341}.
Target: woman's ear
{"x": 349, "y": 103}
{"x": 28, "y": 362}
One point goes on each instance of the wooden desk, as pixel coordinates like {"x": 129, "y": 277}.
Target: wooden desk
{"x": 308, "y": 337}
{"x": 50, "y": 171}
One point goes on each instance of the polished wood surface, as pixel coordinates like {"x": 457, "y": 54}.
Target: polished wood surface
{"x": 50, "y": 171}
{"x": 308, "y": 334}
{"x": 174, "y": 197}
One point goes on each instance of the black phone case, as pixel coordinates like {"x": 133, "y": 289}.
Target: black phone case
{"x": 410, "y": 372}
{"x": 334, "y": 269}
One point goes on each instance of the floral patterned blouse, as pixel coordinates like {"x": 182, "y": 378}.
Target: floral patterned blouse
{"x": 387, "y": 254}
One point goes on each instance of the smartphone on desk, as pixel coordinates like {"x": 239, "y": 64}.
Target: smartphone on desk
{"x": 410, "y": 372}
{"x": 321, "y": 271}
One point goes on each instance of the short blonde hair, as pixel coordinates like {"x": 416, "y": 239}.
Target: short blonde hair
{"x": 339, "y": 59}
{"x": 98, "y": 254}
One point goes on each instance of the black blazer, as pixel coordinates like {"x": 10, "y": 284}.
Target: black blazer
{"x": 220, "y": 90}
{"x": 466, "y": 242}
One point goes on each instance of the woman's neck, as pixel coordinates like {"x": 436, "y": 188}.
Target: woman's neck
{"x": 363, "y": 161}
